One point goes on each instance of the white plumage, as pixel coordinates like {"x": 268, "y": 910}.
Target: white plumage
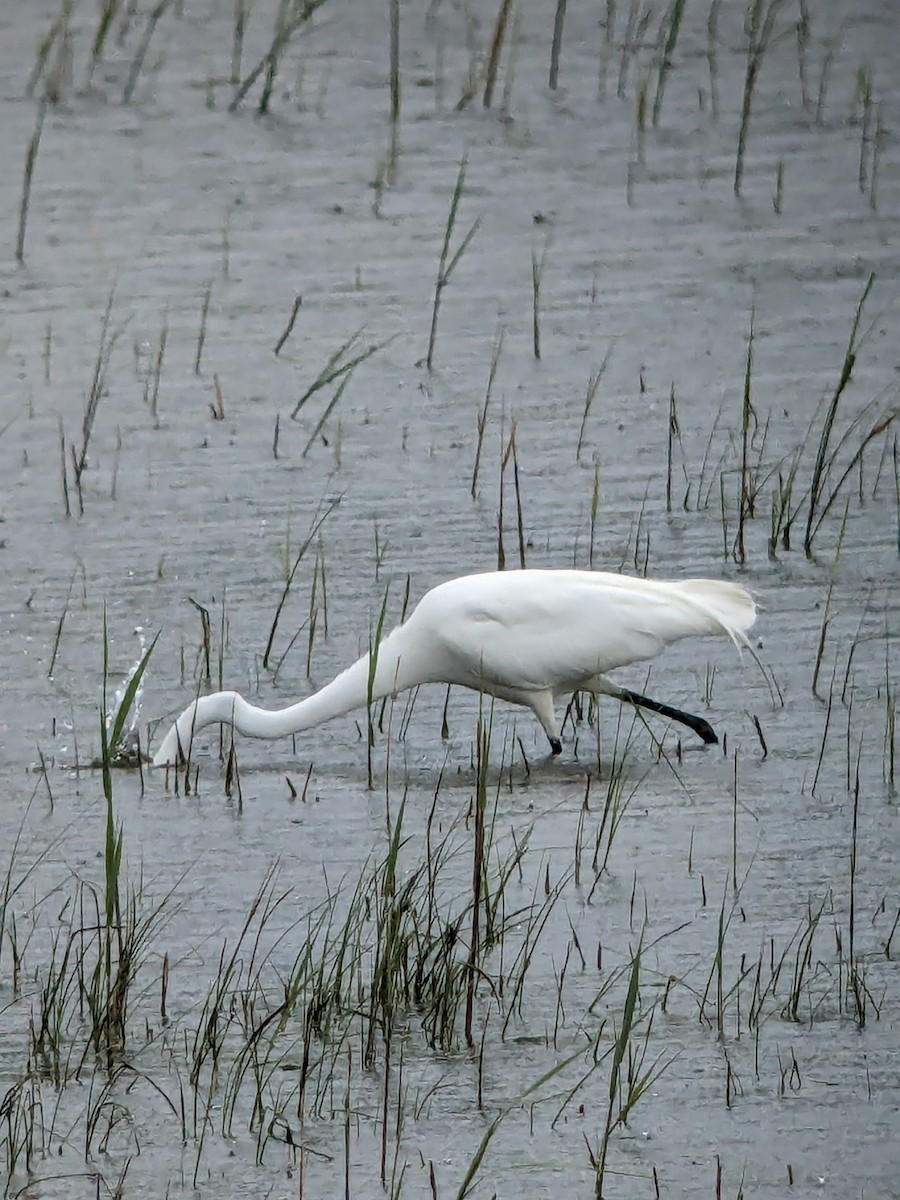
{"x": 529, "y": 637}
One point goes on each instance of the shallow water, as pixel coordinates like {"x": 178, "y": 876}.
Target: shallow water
{"x": 652, "y": 267}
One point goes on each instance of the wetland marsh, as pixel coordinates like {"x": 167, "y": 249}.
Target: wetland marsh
{"x": 310, "y": 307}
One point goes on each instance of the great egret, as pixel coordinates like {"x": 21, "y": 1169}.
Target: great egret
{"x": 528, "y": 637}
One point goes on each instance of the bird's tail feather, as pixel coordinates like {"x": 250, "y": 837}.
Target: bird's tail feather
{"x": 728, "y": 605}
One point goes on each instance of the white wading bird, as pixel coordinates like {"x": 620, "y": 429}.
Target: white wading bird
{"x": 528, "y": 637}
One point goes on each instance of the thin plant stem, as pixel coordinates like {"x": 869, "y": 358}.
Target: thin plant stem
{"x": 448, "y": 263}
{"x": 30, "y": 158}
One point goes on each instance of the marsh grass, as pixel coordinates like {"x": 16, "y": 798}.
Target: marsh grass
{"x": 449, "y": 262}
{"x": 712, "y": 56}
{"x": 398, "y": 943}
{"x": 537, "y": 275}
{"x": 636, "y": 26}
{"x": 394, "y": 50}
{"x": 760, "y": 28}
{"x": 290, "y": 17}
{"x": 671, "y": 24}
{"x": 673, "y": 436}
{"x": 778, "y": 195}
{"x": 864, "y": 98}
{"x": 60, "y": 623}
{"x": 747, "y": 504}
{"x": 238, "y": 26}
{"x": 289, "y": 328}
{"x": 201, "y": 335}
{"x": 483, "y": 412}
{"x": 822, "y": 492}
{"x": 154, "y": 379}
{"x": 291, "y": 570}
{"x": 630, "y": 1076}
{"x": 559, "y": 21}
{"x": 108, "y": 339}
{"x": 804, "y": 27}
{"x": 59, "y": 35}
{"x": 205, "y": 640}
{"x": 621, "y": 790}
{"x": 493, "y": 60}
{"x": 137, "y": 63}
{"x": 833, "y": 450}
{"x": 15, "y": 880}
{"x": 510, "y": 455}
{"x": 101, "y": 940}
{"x": 27, "y": 176}
{"x": 889, "y": 744}
{"x": 107, "y": 15}
{"x": 595, "y": 511}
{"x": 374, "y": 644}
{"x": 340, "y": 366}
{"x": 589, "y": 395}
{"x": 824, "y": 80}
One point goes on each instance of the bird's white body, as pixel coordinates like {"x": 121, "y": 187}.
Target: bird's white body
{"x": 528, "y": 637}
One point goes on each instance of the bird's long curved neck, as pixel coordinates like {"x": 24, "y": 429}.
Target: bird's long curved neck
{"x": 394, "y": 669}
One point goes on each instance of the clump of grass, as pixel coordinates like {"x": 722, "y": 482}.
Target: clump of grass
{"x": 838, "y": 455}
{"x": 122, "y": 931}
{"x": 448, "y": 263}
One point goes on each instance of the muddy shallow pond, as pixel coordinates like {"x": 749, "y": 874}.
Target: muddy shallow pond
{"x": 672, "y": 971}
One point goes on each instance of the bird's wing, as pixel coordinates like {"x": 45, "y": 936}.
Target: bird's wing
{"x": 532, "y": 631}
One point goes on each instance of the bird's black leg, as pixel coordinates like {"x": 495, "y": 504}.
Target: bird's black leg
{"x": 555, "y": 746}
{"x": 702, "y": 728}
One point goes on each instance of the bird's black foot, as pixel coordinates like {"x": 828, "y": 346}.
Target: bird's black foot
{"x": 556, "y": 745}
